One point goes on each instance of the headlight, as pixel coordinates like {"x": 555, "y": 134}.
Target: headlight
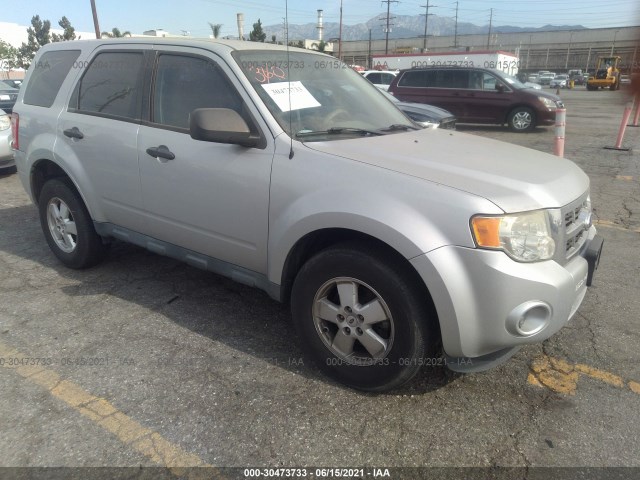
{"x": 5, "y": 122}
{"x": 525, "y": 237}
{"x": 548, "y": 102}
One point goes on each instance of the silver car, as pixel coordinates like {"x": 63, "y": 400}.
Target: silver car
{"x": 6, "y": 153}
{"x": 284, "y": 169}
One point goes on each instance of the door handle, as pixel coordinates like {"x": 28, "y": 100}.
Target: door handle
{"x": 73, "y": 133}
{"x": 161, "y": 152}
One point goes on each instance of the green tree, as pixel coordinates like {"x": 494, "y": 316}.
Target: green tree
{"x": 257, "y": 35}
{"x": 297, "y": 44}
{"x": 39, "y": 34}
{"x": 115, "y": 33}
{"x": 319, "y": 46}
{"x": 69, "y": 33}
{"x": 215, "y": 29}
{"x": 8, "y": 55}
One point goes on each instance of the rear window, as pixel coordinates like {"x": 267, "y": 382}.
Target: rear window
{"x": 47, "y": 76}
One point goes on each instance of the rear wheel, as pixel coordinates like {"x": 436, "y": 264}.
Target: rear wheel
{"x": 522, "y": 119}
{"x": 362, "y": 320}
{"x": 68, "y": 227}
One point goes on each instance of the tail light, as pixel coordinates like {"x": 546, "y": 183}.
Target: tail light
{"x": 15, "y": 124}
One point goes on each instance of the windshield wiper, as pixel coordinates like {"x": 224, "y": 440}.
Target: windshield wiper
{"x": 398, "y": 126}
{"x": 337, "y": 131}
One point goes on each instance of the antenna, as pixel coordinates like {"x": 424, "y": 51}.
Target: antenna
{"x": 286, "y": 20}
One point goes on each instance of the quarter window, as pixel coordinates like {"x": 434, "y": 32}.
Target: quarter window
{"x": 112, "y": 85}
{"x": 47, "y": 76}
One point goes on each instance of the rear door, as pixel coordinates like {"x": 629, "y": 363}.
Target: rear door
{"x": 99, "y": 132}
{"x": 208, "y": 197}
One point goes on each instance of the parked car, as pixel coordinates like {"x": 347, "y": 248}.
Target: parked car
{"x": 423, "y": 114}
{"x": 381, "y": 79}
{"x": 478, "y": 95}
{"x": 535, "y": 86}
{"x": 560, "y": 81}
{"x": 12, "y": 83}
{"x": 8, "y": 97}
{"x": 389, "y": 241}
{"x": 580, "y": 79}
{"x": 533, "y": 78}
{"x": 6, "y": 154}
{"x": 545, "y": 78}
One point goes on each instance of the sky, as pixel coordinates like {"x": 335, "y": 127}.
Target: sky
{"x": 193, "y": 15}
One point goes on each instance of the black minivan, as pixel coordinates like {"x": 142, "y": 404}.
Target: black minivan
{"x": 478, "y": 95}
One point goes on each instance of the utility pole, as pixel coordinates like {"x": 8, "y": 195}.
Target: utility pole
{"x": 95, "y": 18}
{"x": 369, "y": 66}
{"x": 426, "y": 22}
{"x": 340, "y": 35}
{"x": 455, "y": 36}
{"x": 490, "y": 24}
{"x": 566, "y": 64}
{"x": 388, "y": 27}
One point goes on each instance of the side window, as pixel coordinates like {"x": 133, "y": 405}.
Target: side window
{"x": 185, "y": 83}
{"x": 476, "y": 80}
{"x": 374, "y": 78}
{"x": 112, "y": 85}
{"x": 452, "y": 79}
{"x": 386, "y": 78}
{"x": 413, "y": 79}
{"x": 47, "y": 76}
{"x": 489, "y": 82}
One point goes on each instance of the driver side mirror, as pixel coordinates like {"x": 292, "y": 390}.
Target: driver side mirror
{"x": 220, "y": 125}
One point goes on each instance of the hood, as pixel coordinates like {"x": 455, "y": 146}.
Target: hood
{"x": 429, "y": 110}
{"x": 512, "y": 177}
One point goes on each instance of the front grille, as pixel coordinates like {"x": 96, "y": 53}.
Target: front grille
{"x": 577, "y": 221}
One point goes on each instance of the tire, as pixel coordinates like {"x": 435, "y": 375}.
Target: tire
{"x": 361, "y": 319}
{"x": 522, "y": 119}
{"x": 67, "y": 226}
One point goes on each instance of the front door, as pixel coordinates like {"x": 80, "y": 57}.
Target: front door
{"x": 207, "y": 197}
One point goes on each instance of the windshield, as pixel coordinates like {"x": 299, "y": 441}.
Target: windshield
{"x": 510, "y": 79}
{"x": 319, "y": 98}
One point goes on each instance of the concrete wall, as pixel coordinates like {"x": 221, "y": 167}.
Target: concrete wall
{"x": 557, "y": 50}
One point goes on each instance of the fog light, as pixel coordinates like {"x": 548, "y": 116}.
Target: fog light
{"x": 528, "y": 319}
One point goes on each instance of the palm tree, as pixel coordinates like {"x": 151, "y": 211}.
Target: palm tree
{"x": 115, "y": 33}
{"x": 215, "y": 29}
{"x": 319, "y": 46}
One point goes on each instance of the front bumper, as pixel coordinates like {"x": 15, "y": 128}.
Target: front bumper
{"x": 481, "y": 296}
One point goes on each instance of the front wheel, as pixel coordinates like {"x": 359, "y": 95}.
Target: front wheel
{"x": 68, "y": 227}
{"x": 522, "y": 119}
{"x": 361, "y": 319}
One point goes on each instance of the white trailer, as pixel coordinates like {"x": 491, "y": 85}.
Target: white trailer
{"x": 505, "y": 61}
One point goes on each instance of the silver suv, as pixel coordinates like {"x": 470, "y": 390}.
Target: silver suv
{"x": 286, "y": 170}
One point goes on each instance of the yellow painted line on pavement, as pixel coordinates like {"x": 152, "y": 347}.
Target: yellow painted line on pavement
{"x": 626, "y": 178}
{"x": 101, "y": 412}
{"x": 615, "y": 226}
{"x": 562, "y": 377}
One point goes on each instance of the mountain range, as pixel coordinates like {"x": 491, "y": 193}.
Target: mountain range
{"x": 404, "y": 26}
